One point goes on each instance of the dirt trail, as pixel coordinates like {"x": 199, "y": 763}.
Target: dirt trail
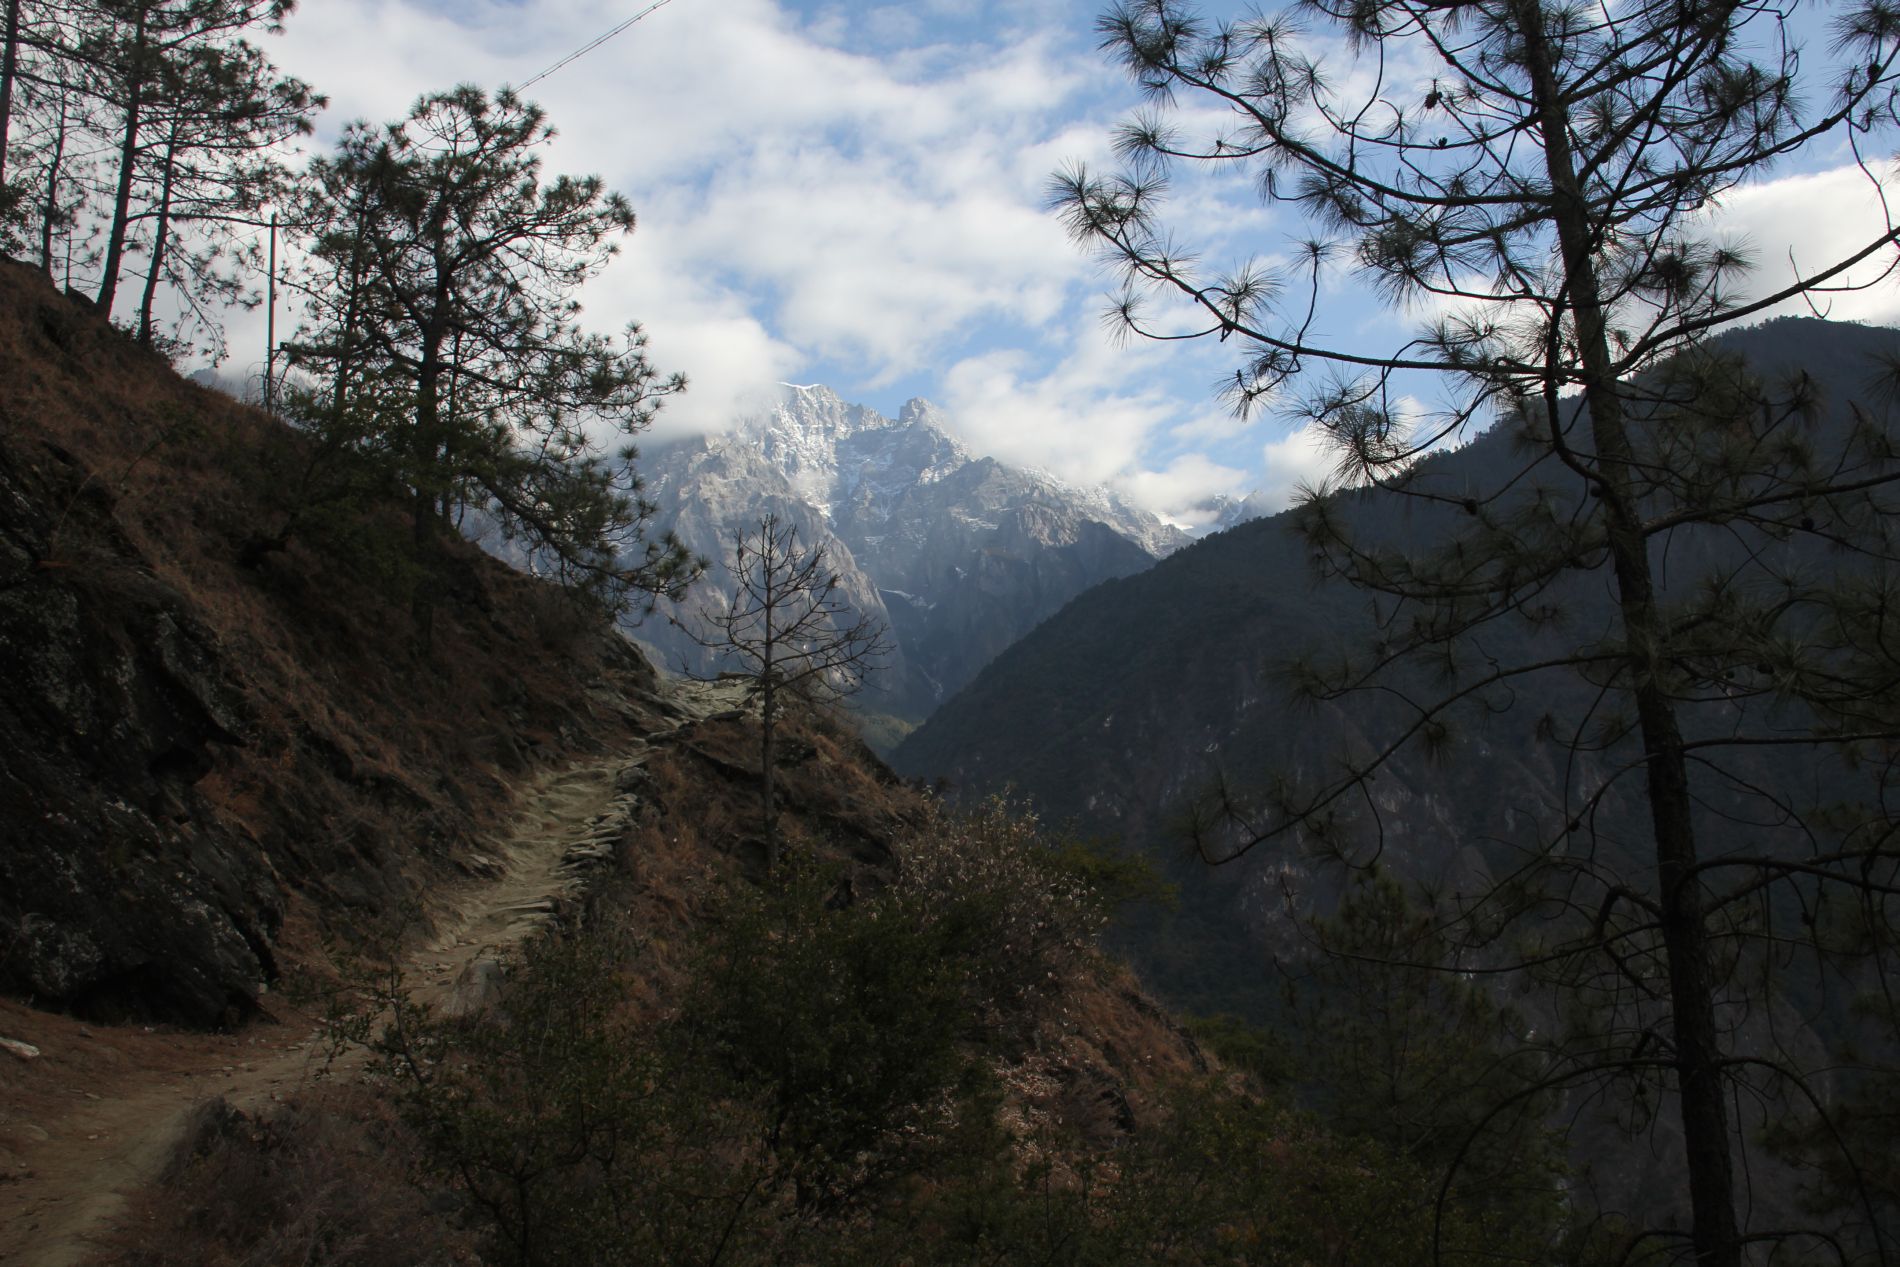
{"x": 100, "y": 1113}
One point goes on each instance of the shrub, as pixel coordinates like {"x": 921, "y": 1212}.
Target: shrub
{"x": 1016, "y": 907}
{"x": 845, "y": 1022}
{"x": 573, "y": 1136}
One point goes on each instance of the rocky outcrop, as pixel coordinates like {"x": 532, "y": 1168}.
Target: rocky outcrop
{"x": 958, "y": 555}
{"x": 212, "y": 757}
{"x": 119, "y": 892}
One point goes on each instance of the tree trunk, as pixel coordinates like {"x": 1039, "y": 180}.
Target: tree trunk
{"x": 768, "y": 699}
{"x": 423, "y": 456}
{"x": 427, "y": 443}
{"x": 158, "y": 239}
{"x": 447, "y": 452}
{"x": 1698, "y": 1054}
{"x": 51, "y": 210}
{"x": 128, "y": 167}
{"x": 339, "y": 392}
{"x": 768, "y": 798}
{"x": 9, "y": 68}
{"x": 424, "y": 444}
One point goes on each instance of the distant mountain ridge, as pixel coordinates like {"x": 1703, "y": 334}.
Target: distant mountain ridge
{"x": 1119, "y": 711}
{"x": 959, "y": 555}
{"x": 1229, "y": 510}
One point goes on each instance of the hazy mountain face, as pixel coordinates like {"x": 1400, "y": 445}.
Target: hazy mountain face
{"x": 1130, "y": 703}
{"x": 959, "y": 555}
{"x": 1226, "y": 510}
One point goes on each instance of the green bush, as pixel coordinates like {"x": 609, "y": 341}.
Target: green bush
{"x": 574, "y": 1135}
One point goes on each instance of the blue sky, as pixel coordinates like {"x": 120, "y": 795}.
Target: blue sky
{"x": 852, "y": 194}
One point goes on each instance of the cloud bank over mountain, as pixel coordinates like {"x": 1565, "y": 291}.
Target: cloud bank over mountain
{"x": 856, "y": 195}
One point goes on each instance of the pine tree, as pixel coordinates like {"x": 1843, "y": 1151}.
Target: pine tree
{"x": 39, "y": 64}
{"x": 1541, "y": 175}
{"x": 146, "y": 127}
{"x": 790, "y": 631}
{"x": 218, "y": 129}
{"x": 145, "y": 55}
{"x": 443, "y": 334}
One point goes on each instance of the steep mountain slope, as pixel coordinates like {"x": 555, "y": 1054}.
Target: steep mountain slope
{"x": 230, "y": 759}
{"x": 209, "y": 754}
{"x": 1137, "y": 696}
{"x": 219, "y": 763}
{"x": 958, "y": 555}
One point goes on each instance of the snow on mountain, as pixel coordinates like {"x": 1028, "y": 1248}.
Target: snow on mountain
{"x": 1224, "y": 510}
{"x": 959, "y": 554}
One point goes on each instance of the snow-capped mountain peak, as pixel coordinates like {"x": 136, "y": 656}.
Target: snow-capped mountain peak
{"x": 973, "y": 552}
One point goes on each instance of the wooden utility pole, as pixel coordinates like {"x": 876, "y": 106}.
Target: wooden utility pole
{"x": 270, "y": 324}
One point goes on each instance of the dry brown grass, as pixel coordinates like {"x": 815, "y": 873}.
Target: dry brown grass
{"x": 331, "y": 1181}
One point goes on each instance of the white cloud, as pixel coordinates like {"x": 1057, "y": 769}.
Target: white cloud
{"x": 1305, "y": 458}
{"x": 732, "y": 362}
{"x": 1798, "y": 225}
{"x": 1075, "y": 421}
{"x": 801, "y": 204}
{"x": 1175, "y": 490}
{"x": 1099, "y": 412}
{"x": 857, "y": 197}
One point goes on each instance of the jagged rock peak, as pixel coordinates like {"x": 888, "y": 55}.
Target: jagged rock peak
{"x": 816, "y": 410}
{"x": 832, "y": 451}
{"x": 972, "y": 552}
{"x": 1225, "y": 510}
{"x": 851, "y": 459}
{"x": 813, "y": 414}
{"x": 919, "y": 412}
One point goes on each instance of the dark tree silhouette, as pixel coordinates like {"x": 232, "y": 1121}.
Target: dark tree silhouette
{"x": 443, "y": 335}
{"x": 1541, "y": 176}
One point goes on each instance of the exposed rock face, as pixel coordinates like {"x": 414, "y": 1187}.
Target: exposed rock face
{"x": 1224, "y": 510}
{"x": 959, "y": 555}
{"x": 117, "y": 891}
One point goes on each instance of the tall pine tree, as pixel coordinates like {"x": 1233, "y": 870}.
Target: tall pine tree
{"x": 444, "y": 335}
{"x": 1537, "y": 179}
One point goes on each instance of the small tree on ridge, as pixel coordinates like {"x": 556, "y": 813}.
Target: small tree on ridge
{"x": 787, "y": 625}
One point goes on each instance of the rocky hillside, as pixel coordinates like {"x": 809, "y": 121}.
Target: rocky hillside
{"x": 958, "y": 555}
{"x": 213, "y": 752}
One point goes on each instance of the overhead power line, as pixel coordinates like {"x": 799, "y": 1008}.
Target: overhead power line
{"x": 270, "y": 350}
{"x": 593, "y": 44}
